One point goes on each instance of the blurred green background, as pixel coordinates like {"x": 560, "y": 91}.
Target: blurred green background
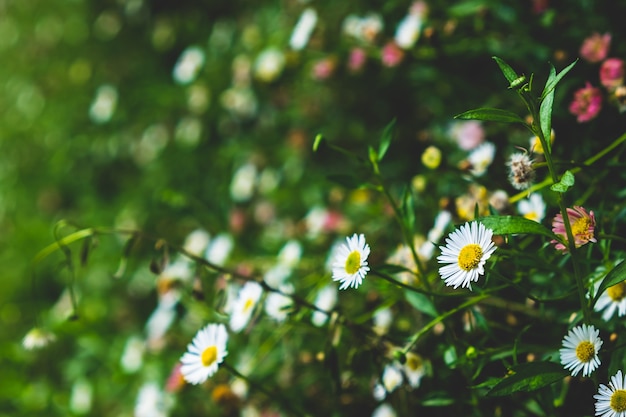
{"x": 160, "y": 152}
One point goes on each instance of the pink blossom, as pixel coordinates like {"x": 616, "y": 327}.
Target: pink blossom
{"x": 357, "y": 59}
{"x": 468, "y": 134}
{"x": 595, "y": 47}
{"x": 323, "y": 69}
{"x": 612, "y": 73}
{"x": 392, "y": 55}
{"x": 582, "y": 223}
{"x": 587, "y": 103}
{"x": 175, "y": 381}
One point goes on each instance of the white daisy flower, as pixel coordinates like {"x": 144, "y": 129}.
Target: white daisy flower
{"x": 613, "y": 298}
{"x": 466, "y": 251}
{"x": 243, "y": 306}
{"x": 350, "y": 265}
{"x": 206, "y": 351}
{"x": 278, "y": 305}
{"x": 580, "y": 350}
{"x": 611, "y": 399}
{"x": 534, "y": 208}
{"x": 325, "y": 300}
{"x": 481, "y": 158}
{"x": 303, "y": 29}
{"x": 414, "y": 369}
{"x": 384, "y": 410}
{"x": 390, "y": 380}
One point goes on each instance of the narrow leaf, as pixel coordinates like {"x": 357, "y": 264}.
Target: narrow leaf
{"x": 508, "y": 225}
{"x": 373, "y": 155}
{"x": 318, "y": 139}
{"x": 552, "y": 83}
{"x": 509, "y": 73}
{"x": 615, "y": 276}
{"x": 528, "y": 377}
{"x": 545, "y": 110}
{"x": 495, "y": 115}
{"x": 421, "y": 303}
{"x": 386, "y": 139}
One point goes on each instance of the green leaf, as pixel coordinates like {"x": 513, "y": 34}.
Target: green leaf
{"x": 318, "y": 139}
{"x": 373, "y": 155}
{"x": 391, "y": 269}
{"x": 408, "y": 207}
{"x": 528, "y": 377}
{"x": 551, "y": 84}
{"x": 509, "y": 73}
{"x": 494, "y": 115}
{"x": 438, "y": 402}
{"x": 615, "y": 276}
{"x": 567, "y": 180}
{"x": 508, "y": 225}
{"x": 385, "y": 139}
{"x": 421, "y": 303}
{"x": 545, "y": 110}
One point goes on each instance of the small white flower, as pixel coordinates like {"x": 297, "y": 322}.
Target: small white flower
{"x": 269, "y": 65}
{"x": 350, "y": 263}
{"x": 243, "y": 183}
{"x": 278, "y": 305}
{"x": 276, "y": 275}
{"x": 612, "y": 299}
{"x": 290, "y": 254}
{"x": 534, "y": 208}
{"x": 580, "y": 350}
{"x": 150, "y": 401}
{"x": 303, "y": 29}
{"x": 37, "y": 338}
{"x": 132, "y": 357}
{"x": 466, "y": 251}
{"x": 197, "y": 241}
{"x": 325, "y": 300}
{"x": 103, "y": 105}
{"x": 188, "y": 65}
{"x": 382, "y": 320}
{"x": 414, "y": 369}
{"x": 220, "y": 248}
{"x": 391, "y": 379}
{"x": 408, "y": 31}
{"x": 384, "y": 410}
{"x": 481, "y": 158}
{"x": 243, "y": 306}
{"x": 611, "y": 399}
{"x": 206, "y": 351}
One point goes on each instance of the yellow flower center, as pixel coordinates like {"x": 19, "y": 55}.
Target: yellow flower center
{"x": 617, "y": 292}
{"x": 581, "y": 226}
{"x": 353, "y": 262}
{"x": 469, "y": 257}
{"x": 248, "y": 305}
{"x": 618, "y": 401}
{"x": 414, "y": 362}
{"x": 585, "y": 351}
{"x": 209, "y": 356}
{"x": 532, "y": 216}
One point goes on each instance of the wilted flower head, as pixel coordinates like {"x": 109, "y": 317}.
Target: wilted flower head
{"x": 521, "y": 172}
{"x": 595, "y": 47}
{"x": 587, "y": 103}
{"x": 391, "y": 54}
{"x": 612, "y": 73}
{"x": 582, "y": 223}
{"x": 303, "y": 29}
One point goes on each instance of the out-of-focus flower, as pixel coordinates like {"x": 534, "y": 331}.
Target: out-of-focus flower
{"x": 198, "y": 98}
{"x": 414, "y": 369}
{"x": 481, "y": 158}
{"x": 499, "y": 200}
{"x": 596, "y": 47}
{"x": 384, "y": 410}
{"x": 243, "y": 183}
{"x": 243, "y": 306}
{"x": 240, "y": 101}
{"x": 37, "y": 338}
{"x": 587, "y": 103}
{"x": 303, "y": 29}
{"x": 540, "y": 6}
{"x": 611, "y": 399}
{"x": 204, "y": 354}
{"x": 535, "y": 143}
{"x": 612, "y": 73}
{"x": 468, "y": 134}
{"x": 323, "y": 68}
{"x": 150, "y": 401}
{"x": 188, "y": 65}
{"x": 533, "y": 208}
{"x": 161, "y": 320}
{"x": 611, "y": 300}
{"x": 364, "y": 29}
{"x": 391, "y": 54}
{"x": 521, "y": 171}
{"x": 220, "y": 248}
{"x": 382, "y": 319}
{"x": 278, "y": 305}
{"x": 322, "y": 220}
{"x": 408, "y": 30}
{"x": 350, "y": 262}
{"x": 466, "y": 251}
{"x": 325, "y": 300}
{"x": 175, "y": 381}
{"x": 81, "y": 397}
{"x": 403, "y": 256}
{"x": 582, "y": 224}
{"x": 269, "y": 65}
{"x": 188, "y": 131}
{"x": 580, "y": 350}
{"x": 104, "y": 104}
{"x": 431, "y": 158}
{"x": 390, "y": 380}
{"x": 290, "y": 254}
{"x": 356, "y": 59}
{"x": 196, "y": 242}
{"x": 619, "y": 94}
{"x": 132, "y": 356}
{"x": 427, "y": 249}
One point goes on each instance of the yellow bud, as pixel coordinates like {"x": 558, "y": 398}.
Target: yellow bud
{"x": 431, "y": 158}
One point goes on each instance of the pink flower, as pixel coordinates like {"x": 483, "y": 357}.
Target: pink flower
{"x": 468, "y": 134}
{"x": 357, "y": 59}
{"x": 612, "y": 73}
{"x": 392, "y": 55}
{"x": 175, "y": 382}
{"x": 323, "y": 68}
{"x": 582, "y": 224}
{"x": 587, "y": 103}
{"x": 595, "y": 47}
